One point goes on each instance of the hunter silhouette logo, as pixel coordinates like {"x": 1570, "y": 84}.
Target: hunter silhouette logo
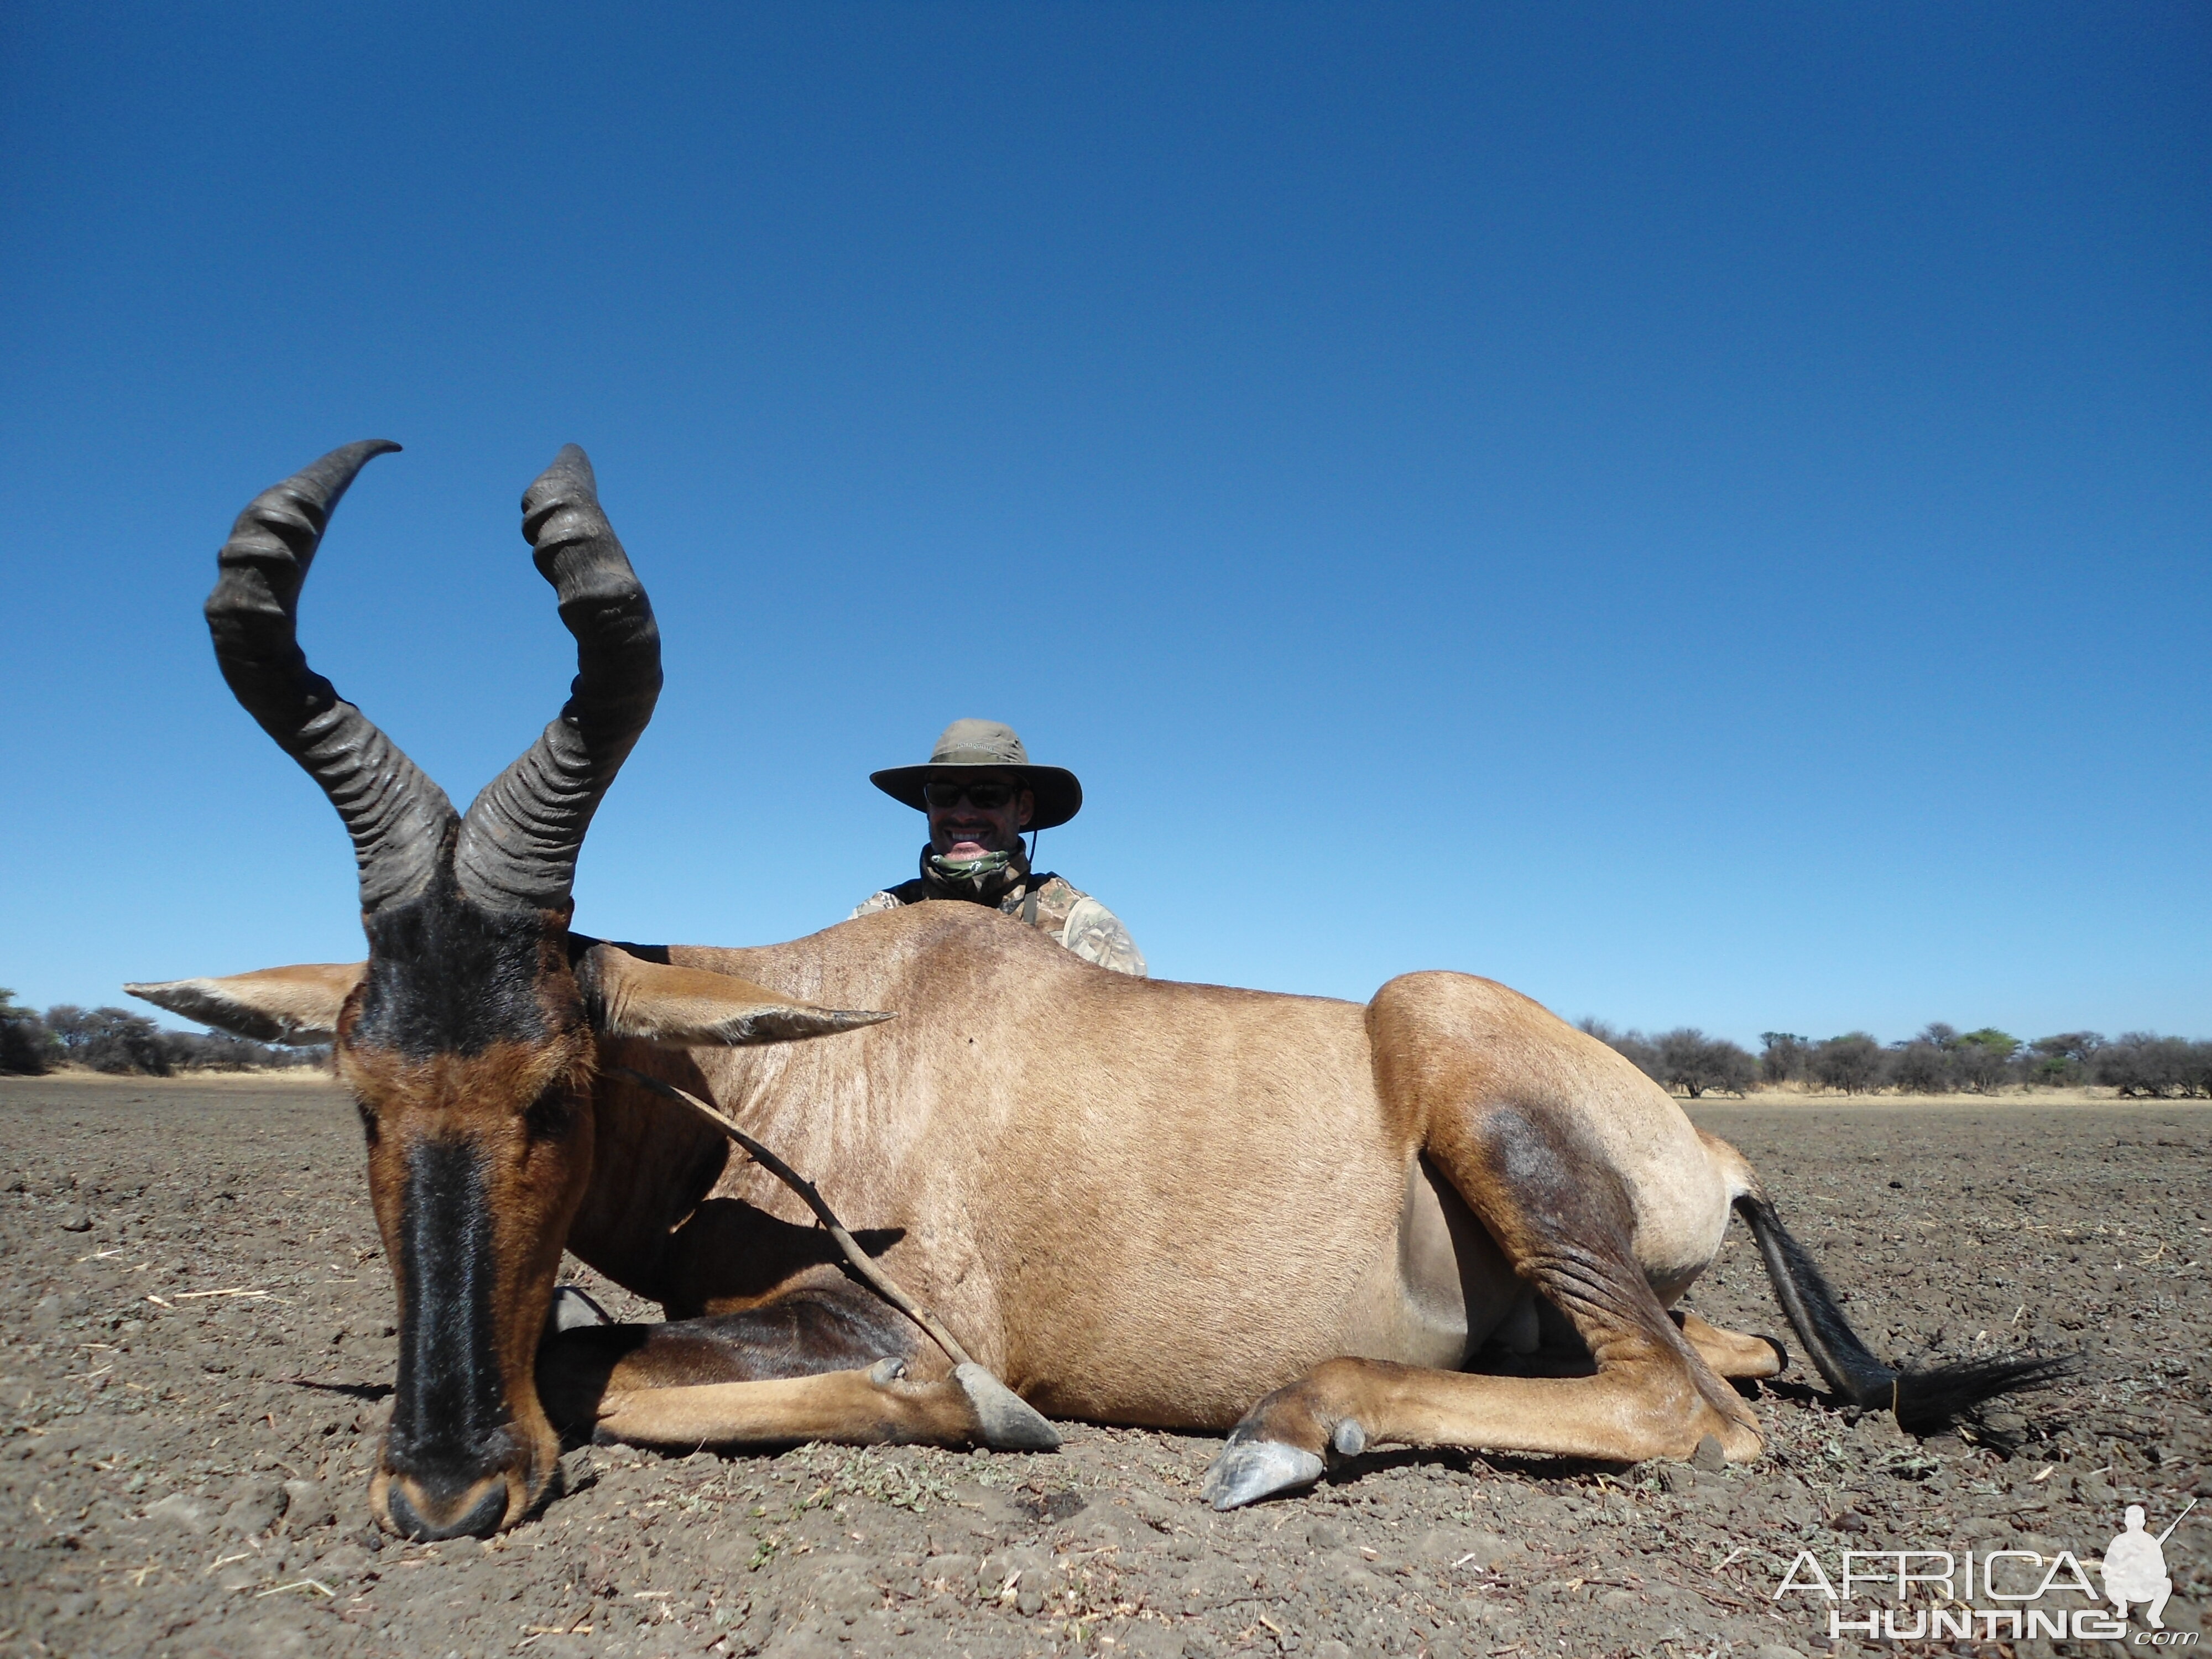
{"x": 2134, "y": 1567}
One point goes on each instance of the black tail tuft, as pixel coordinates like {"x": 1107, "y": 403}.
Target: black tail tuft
{"x": 1923, "y": 1401}
{"x": 1928, "y": 1400}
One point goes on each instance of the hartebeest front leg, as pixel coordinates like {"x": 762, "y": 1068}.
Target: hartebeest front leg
{"x": 874, "y": 1407}
{"x": 827, "y": 1361}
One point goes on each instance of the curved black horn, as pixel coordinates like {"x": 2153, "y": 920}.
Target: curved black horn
{"x": 396, "y": 816}
{"x": 520, "y": 839}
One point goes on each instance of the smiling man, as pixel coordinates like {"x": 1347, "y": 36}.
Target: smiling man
{"x": 980, "y": 792}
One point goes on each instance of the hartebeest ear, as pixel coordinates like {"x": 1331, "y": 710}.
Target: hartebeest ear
{"x": 692, "y": 1008}
{"x": 272, "y": 1005}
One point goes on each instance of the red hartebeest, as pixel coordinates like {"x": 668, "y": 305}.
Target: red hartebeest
{"x": 1442, "y": 1217}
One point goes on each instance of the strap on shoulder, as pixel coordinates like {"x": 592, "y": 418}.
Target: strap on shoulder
{"x": 1038, "y": 881}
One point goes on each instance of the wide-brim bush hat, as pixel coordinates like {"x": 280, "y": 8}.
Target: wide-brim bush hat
{"x": 986, "y": 746}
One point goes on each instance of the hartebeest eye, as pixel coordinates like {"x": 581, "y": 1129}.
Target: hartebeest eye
{"x": 551, "y": 1115}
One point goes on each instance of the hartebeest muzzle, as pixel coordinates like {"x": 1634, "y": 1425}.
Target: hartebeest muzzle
{"x": 451, "y": 1463}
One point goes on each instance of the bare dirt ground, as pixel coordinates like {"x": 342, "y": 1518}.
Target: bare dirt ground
{"x": 196, "y": 1340}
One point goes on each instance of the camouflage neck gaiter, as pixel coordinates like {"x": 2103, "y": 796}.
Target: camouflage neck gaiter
{"x": 982, "y": 881}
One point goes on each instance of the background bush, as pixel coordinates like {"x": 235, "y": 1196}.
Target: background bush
{"x": 1785, "y": 1057}
{"x": 26, "y": 1046}
{"x": 2142, "y": 1063}
{"x": 1936, "y": 1059}
{"x": 1852, "y": 1062}
{"x": 1684, "y": 1059}
{"x": 117, "y": 1040}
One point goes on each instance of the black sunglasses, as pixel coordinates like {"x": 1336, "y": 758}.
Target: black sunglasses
{"x": 944, "y": 793}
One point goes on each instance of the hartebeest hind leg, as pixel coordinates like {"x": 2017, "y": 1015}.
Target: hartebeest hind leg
{"x": 1530, "y": 1130}
{"x": 818, "y": 1363}
{"x": 1563, "y": 1222}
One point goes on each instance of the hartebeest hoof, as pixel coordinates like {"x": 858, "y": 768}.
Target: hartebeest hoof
{"x": 1250, "y": 1470}
{"x": 1005, "y": 1421}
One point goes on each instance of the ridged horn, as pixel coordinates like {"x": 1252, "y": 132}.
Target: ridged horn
{"x": 519, "y": 838}
{"x": 395, "y": 814}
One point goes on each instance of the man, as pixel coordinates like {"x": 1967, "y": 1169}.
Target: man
{"x": 980, "y": 792}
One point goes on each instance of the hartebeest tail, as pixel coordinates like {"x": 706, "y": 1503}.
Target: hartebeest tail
{"x": 1923, "y": 1401}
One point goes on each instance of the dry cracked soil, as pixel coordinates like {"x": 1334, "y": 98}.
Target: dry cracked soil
{"x": 197, "y": 1345}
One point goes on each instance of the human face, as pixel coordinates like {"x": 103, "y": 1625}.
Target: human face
{"x": 965, "y": 830}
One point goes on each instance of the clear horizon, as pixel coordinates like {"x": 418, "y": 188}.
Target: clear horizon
{"x": 1700, "y": 516}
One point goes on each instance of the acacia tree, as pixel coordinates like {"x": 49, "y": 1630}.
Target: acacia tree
{"x": 117, "y": 1040}
{"x": 1785, "y": 1057}
{"x": 109, "y": 1039}
{"x": 1689, "y": 1060}
{"x": 1919, "y": 1068}
{"x": 1851, "y": 1062}
{"x": 1984, "y": 1058}
{"x": 2064, "y": 1059}
{"x": 2145, "y": 1063}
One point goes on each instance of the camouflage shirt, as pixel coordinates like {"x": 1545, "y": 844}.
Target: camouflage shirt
{"x": 1048, "y": 902}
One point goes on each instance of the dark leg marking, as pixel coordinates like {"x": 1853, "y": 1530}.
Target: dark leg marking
{"x": 808, "y": 1331}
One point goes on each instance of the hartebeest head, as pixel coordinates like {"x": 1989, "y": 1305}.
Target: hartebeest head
{"x": 469, "y": 1036}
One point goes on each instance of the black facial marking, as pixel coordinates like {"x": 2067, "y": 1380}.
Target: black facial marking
{"x": 446, "y": 976}
{"x": 447, "y": 1420}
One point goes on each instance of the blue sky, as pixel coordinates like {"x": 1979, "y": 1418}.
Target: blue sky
{"x": 1699, "y": 512}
